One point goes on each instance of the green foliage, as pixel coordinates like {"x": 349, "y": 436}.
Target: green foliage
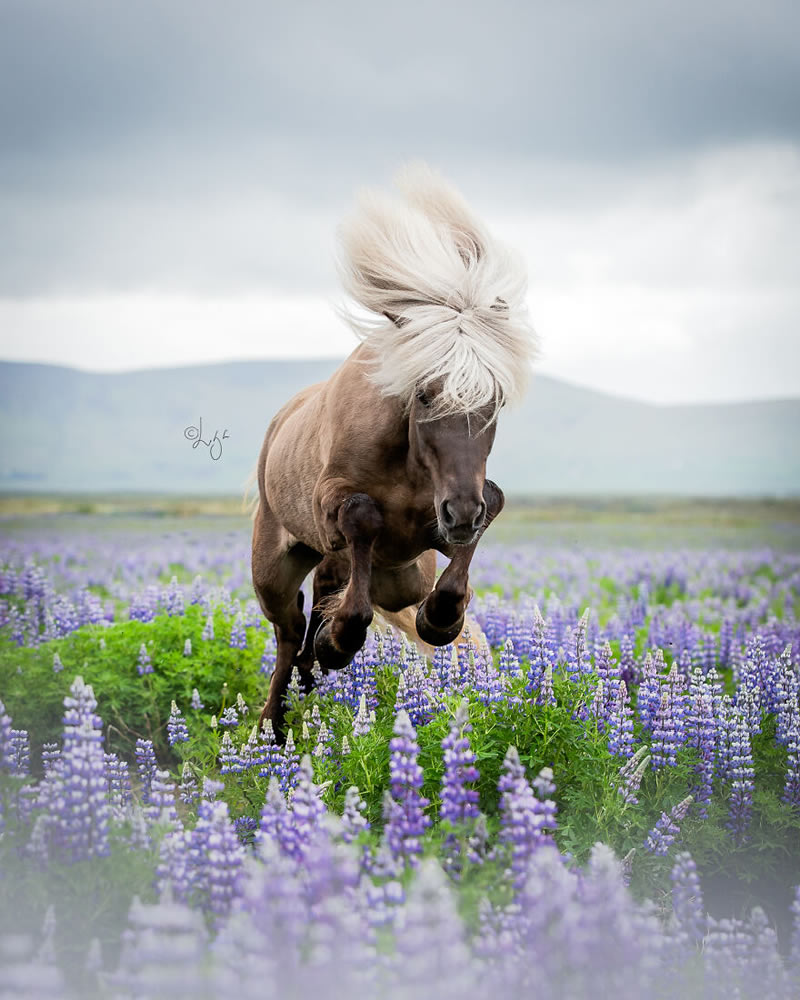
{"x": 590, "y": 807}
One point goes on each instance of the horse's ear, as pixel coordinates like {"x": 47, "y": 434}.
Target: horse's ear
{"x": 398, "y": 321}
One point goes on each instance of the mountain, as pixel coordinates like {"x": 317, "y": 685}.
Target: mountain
{"x": 72, "y": 431}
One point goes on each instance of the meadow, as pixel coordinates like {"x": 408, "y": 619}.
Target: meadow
{"x": 598, "y": 792}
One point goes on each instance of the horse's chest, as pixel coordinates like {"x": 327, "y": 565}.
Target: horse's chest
{"x": 408, "y": 530}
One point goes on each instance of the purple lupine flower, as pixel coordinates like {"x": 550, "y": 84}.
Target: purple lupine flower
{"x": 119, "y": 784}
{"x": 687, "y": 898}
{"x": 791, "y": 788}
{"x": 701, "y": 733}
{"x": 51, "y": 755}
{"x": 404, "y": 819}
{"x": 146, "y": 765}
{"x": 173, "y": 598}
{"x": 306, "y": 813}
{"x": 663, "y": 834}
{"x": 665, "y": 732}
{"x": 216, "y": 858}
{"x": 289, "y": 765}
{"x": 361, "y": 723}
{"x": 546, "y": 695}
{"x": 189, "y": 792}
{"x": 631, "y": 774}
{"x": 187, "y": 648}
{"x": 6, "y": 747}
{"x": 20, "y": 753}
{"x": 143, "y": 664}
{"x": 74, "y": 825}
{"x": 177, "y": 731}
{"x": 238, "y": 638}
{"x": 620, "y": 724}
{"x": 648, "y": 697}
{"x": 578, "y": 661}
{"x": 246, "y": 828}
{"x": 230, "y": 717}
{"x": 275, "y": 826}
{"x": 323, "y": 748}
{"x": 196, "y": 703}
{"x": 230, "y": 761}
{"x": 459, "y": 800}
{"x": 161, "y": 808}
{"x": 526, "y": 821}
{"x": 354, "y": 822}
{"x": 208, "y": 629}
{"x": 741, "y": 773}
{"x": 627, "y": 663}
{"x": 58, "y": 666}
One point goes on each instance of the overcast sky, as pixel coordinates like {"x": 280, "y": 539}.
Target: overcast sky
{"x": 172, "y": 174}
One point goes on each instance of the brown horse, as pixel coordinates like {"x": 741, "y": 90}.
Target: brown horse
{"x": 363, "y": 478}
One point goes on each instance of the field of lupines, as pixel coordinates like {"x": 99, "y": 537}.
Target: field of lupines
{"x": 599, "y": 792}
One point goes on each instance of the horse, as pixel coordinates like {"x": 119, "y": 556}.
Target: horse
{"x": 363, "y": 478}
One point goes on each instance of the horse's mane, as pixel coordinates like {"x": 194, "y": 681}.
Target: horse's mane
{"x": 447, "y": 301}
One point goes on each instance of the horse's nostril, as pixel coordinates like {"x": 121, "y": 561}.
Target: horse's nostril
{"x": 447, "y": 515}
{"x": 479, "y": 517}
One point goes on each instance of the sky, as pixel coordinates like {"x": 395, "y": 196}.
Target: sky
{"x": 172, "y": 175}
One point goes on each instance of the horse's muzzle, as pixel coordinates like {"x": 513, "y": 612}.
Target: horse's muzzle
{"x": 460, "y": 522}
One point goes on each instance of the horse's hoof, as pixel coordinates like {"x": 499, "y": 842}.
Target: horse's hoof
{"x": 437, "y": 636}
{"x": 329, "y": 656}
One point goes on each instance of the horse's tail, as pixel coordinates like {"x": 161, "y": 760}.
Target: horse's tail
{"x": 448, "y": 300}
{"x": 405, "y": 621}
{"x": 250, "y": 496}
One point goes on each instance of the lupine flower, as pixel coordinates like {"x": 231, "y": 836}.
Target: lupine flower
{"x": 208, "y": 629}
{"x": 196, "y": 703}
{"x": 663, "y": 834}
{"x": 525, "y": 820}
{"x": 143, "y": 664}
{"x": 459, "y": 800}
{"x": 620, "y": 724}
{"x": 741, "y": 773}
{"x": 230, "y": 717}
{"x": 187, "y": 648}
{"x": 322, "y": 747}
{"x": 546, "y": 695}
{"x": 20, "y": 753}
{"x": 361, "y": 724}
{"x": 189, "y": 792}
{"x": 631, "y": 774}
{"x": 238, "y": 638}
{"x": 58, "y": 666}
{"x": 177, "y": 731}
{"x": 354, "y": 822}
{"x": 404, "y": 819}
{"x": 791, "y": 789}
{"x": 146, "y": 765}
{"x": 687, "y": 898}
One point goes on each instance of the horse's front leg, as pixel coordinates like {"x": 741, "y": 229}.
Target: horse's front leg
{"x": 338, "y": 640}
{"x": 440, "y": 617}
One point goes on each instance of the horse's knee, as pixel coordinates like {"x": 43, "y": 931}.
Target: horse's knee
{"x": 359, "y": 518}
{"x": 494, "y": 498}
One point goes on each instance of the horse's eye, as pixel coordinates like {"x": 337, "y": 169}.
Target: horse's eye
{"x": 422, "y": 397}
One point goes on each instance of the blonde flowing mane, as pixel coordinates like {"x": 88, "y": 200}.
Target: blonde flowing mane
{"x": 447, "y": 301}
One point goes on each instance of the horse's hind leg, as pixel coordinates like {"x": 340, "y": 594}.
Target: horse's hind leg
{"x": 330, "y": 577}
{"x": 280, "y": 565}
{"x": 440, "y": 617}
{"x": 336, "y": 643}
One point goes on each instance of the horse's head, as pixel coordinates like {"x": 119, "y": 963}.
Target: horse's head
{"x": 452, "y": 449}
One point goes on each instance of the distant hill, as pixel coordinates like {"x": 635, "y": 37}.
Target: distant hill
{"x": 67, "y": 430}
